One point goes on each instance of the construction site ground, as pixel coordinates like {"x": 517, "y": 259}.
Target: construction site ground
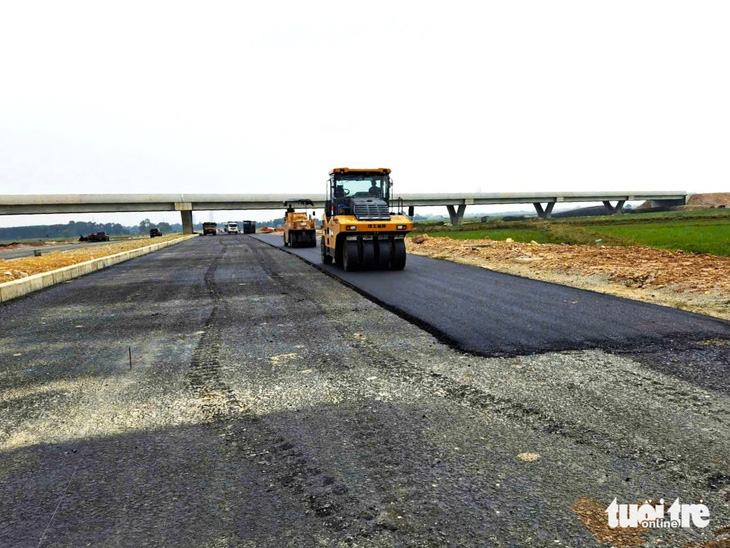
{"x": 223, "y": 393}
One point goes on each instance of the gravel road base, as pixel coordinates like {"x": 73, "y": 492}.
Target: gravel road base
{"x": 269, "y": 405}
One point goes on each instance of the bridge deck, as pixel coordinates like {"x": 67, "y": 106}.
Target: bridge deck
{"x": 23, "y": 204}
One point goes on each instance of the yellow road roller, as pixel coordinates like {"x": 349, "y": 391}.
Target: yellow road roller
{"x": 300, "y": 230}
{"x": 358, "y": 229}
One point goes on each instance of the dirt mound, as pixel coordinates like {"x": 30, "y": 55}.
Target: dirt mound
{"x": 715, "y": 199}
{"x": 696, "y": 201}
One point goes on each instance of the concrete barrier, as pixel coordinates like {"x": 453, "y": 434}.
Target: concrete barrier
{"x": 18, "y": 288}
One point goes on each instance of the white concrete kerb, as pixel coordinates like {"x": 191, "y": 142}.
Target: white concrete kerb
{"x": 17, "y": 288}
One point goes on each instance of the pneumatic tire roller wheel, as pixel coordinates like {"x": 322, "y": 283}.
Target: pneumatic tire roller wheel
{"x": 350, "y": 260}
{"x": 326, "y": 258}
{"x": 398, "y": 262}
{"x": 383, "y": 254}
{"x": 368, "y": 254}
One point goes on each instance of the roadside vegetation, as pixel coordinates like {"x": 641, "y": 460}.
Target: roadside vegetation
{"x": 701, "y": 231}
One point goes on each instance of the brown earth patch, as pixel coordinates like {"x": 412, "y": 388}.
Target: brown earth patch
{"x": 714, "y": 199}
{"x": 592, "y": 514}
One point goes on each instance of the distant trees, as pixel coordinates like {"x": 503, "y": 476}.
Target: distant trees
{"x": 166, "y": 228}
{"x": 145, "y": 226}
{"x": 72, "y": 229}
{"x": 272, "y": 223}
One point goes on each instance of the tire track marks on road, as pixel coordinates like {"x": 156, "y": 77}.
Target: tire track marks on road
{"x": 247, "y": 435}
{"x": 479, "y": 399}
{"x": 380, "y": 457}
{"x": 289, "y": 464}
{"x": 340, "y": 509}
{"x": 218, "y": 402}
{"x": 476, "y": 398}
{"x": 680, "y": 469}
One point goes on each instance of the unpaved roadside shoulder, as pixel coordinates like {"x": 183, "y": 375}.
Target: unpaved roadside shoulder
{"x": 14, "y": 269}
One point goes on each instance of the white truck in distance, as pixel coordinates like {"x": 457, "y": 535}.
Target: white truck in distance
{"x": 232, "y": 227}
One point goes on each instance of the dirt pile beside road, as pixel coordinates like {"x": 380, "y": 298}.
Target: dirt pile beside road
{"x": 707, "y": 200}
{"x": 14, "y": 269}
{"x": 715, "y": 199}
{"x": 690, "y": 281}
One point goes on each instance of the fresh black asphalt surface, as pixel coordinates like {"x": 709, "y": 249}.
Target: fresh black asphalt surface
{"x": 492, "y": 314}
{"x": 268, "y": 404}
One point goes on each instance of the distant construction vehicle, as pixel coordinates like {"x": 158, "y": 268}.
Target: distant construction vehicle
{"x": 95, "y": 237}
{"x": 359, "y": 231}
{"x": 210, "y": 228}
{"x": 249, "y": 227}
{"x": 231, "y": 227}
{"x": 300, "y": 230}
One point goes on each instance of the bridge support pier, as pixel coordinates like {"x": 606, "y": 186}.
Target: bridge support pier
{"x": 544, "y": 213}
{"x": 456, "y": 215}
{"x": 187, "y": 221}
{"x": 612, "y": 210}
{"x": 186, "y": 212}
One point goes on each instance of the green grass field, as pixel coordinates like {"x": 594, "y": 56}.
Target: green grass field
{"x": 711, "y": 238}
{"x": 703, "y": 231}
{"x": 518, "y": 235}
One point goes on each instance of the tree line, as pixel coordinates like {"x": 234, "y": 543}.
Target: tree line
{"x": 74, "y": 229}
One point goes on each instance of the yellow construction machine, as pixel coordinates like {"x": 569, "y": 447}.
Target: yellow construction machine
{"x": 300, "y": 230}
{"x": 358, "y": 229}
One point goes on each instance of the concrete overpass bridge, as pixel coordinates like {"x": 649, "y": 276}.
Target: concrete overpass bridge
{"x": 456, "y": 203}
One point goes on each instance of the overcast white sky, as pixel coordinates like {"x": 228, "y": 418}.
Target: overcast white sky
{"x": 452, "y": 96}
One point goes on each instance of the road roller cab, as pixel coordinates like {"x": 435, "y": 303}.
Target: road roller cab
{"x": 300, "y": 230}
{"x": 358, "y": 229}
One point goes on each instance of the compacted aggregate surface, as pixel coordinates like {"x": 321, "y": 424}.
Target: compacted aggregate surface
{"x": 267, "y": 404}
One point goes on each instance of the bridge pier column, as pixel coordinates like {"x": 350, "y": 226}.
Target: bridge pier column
{"x": 544, "y": 213}
{"x": 411, "y": 211}
{"x": 187, "y": 221}
{"x": 612, "y": 210}
{"x": 186, "y": 212}
{"x": 456, "y": 215}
